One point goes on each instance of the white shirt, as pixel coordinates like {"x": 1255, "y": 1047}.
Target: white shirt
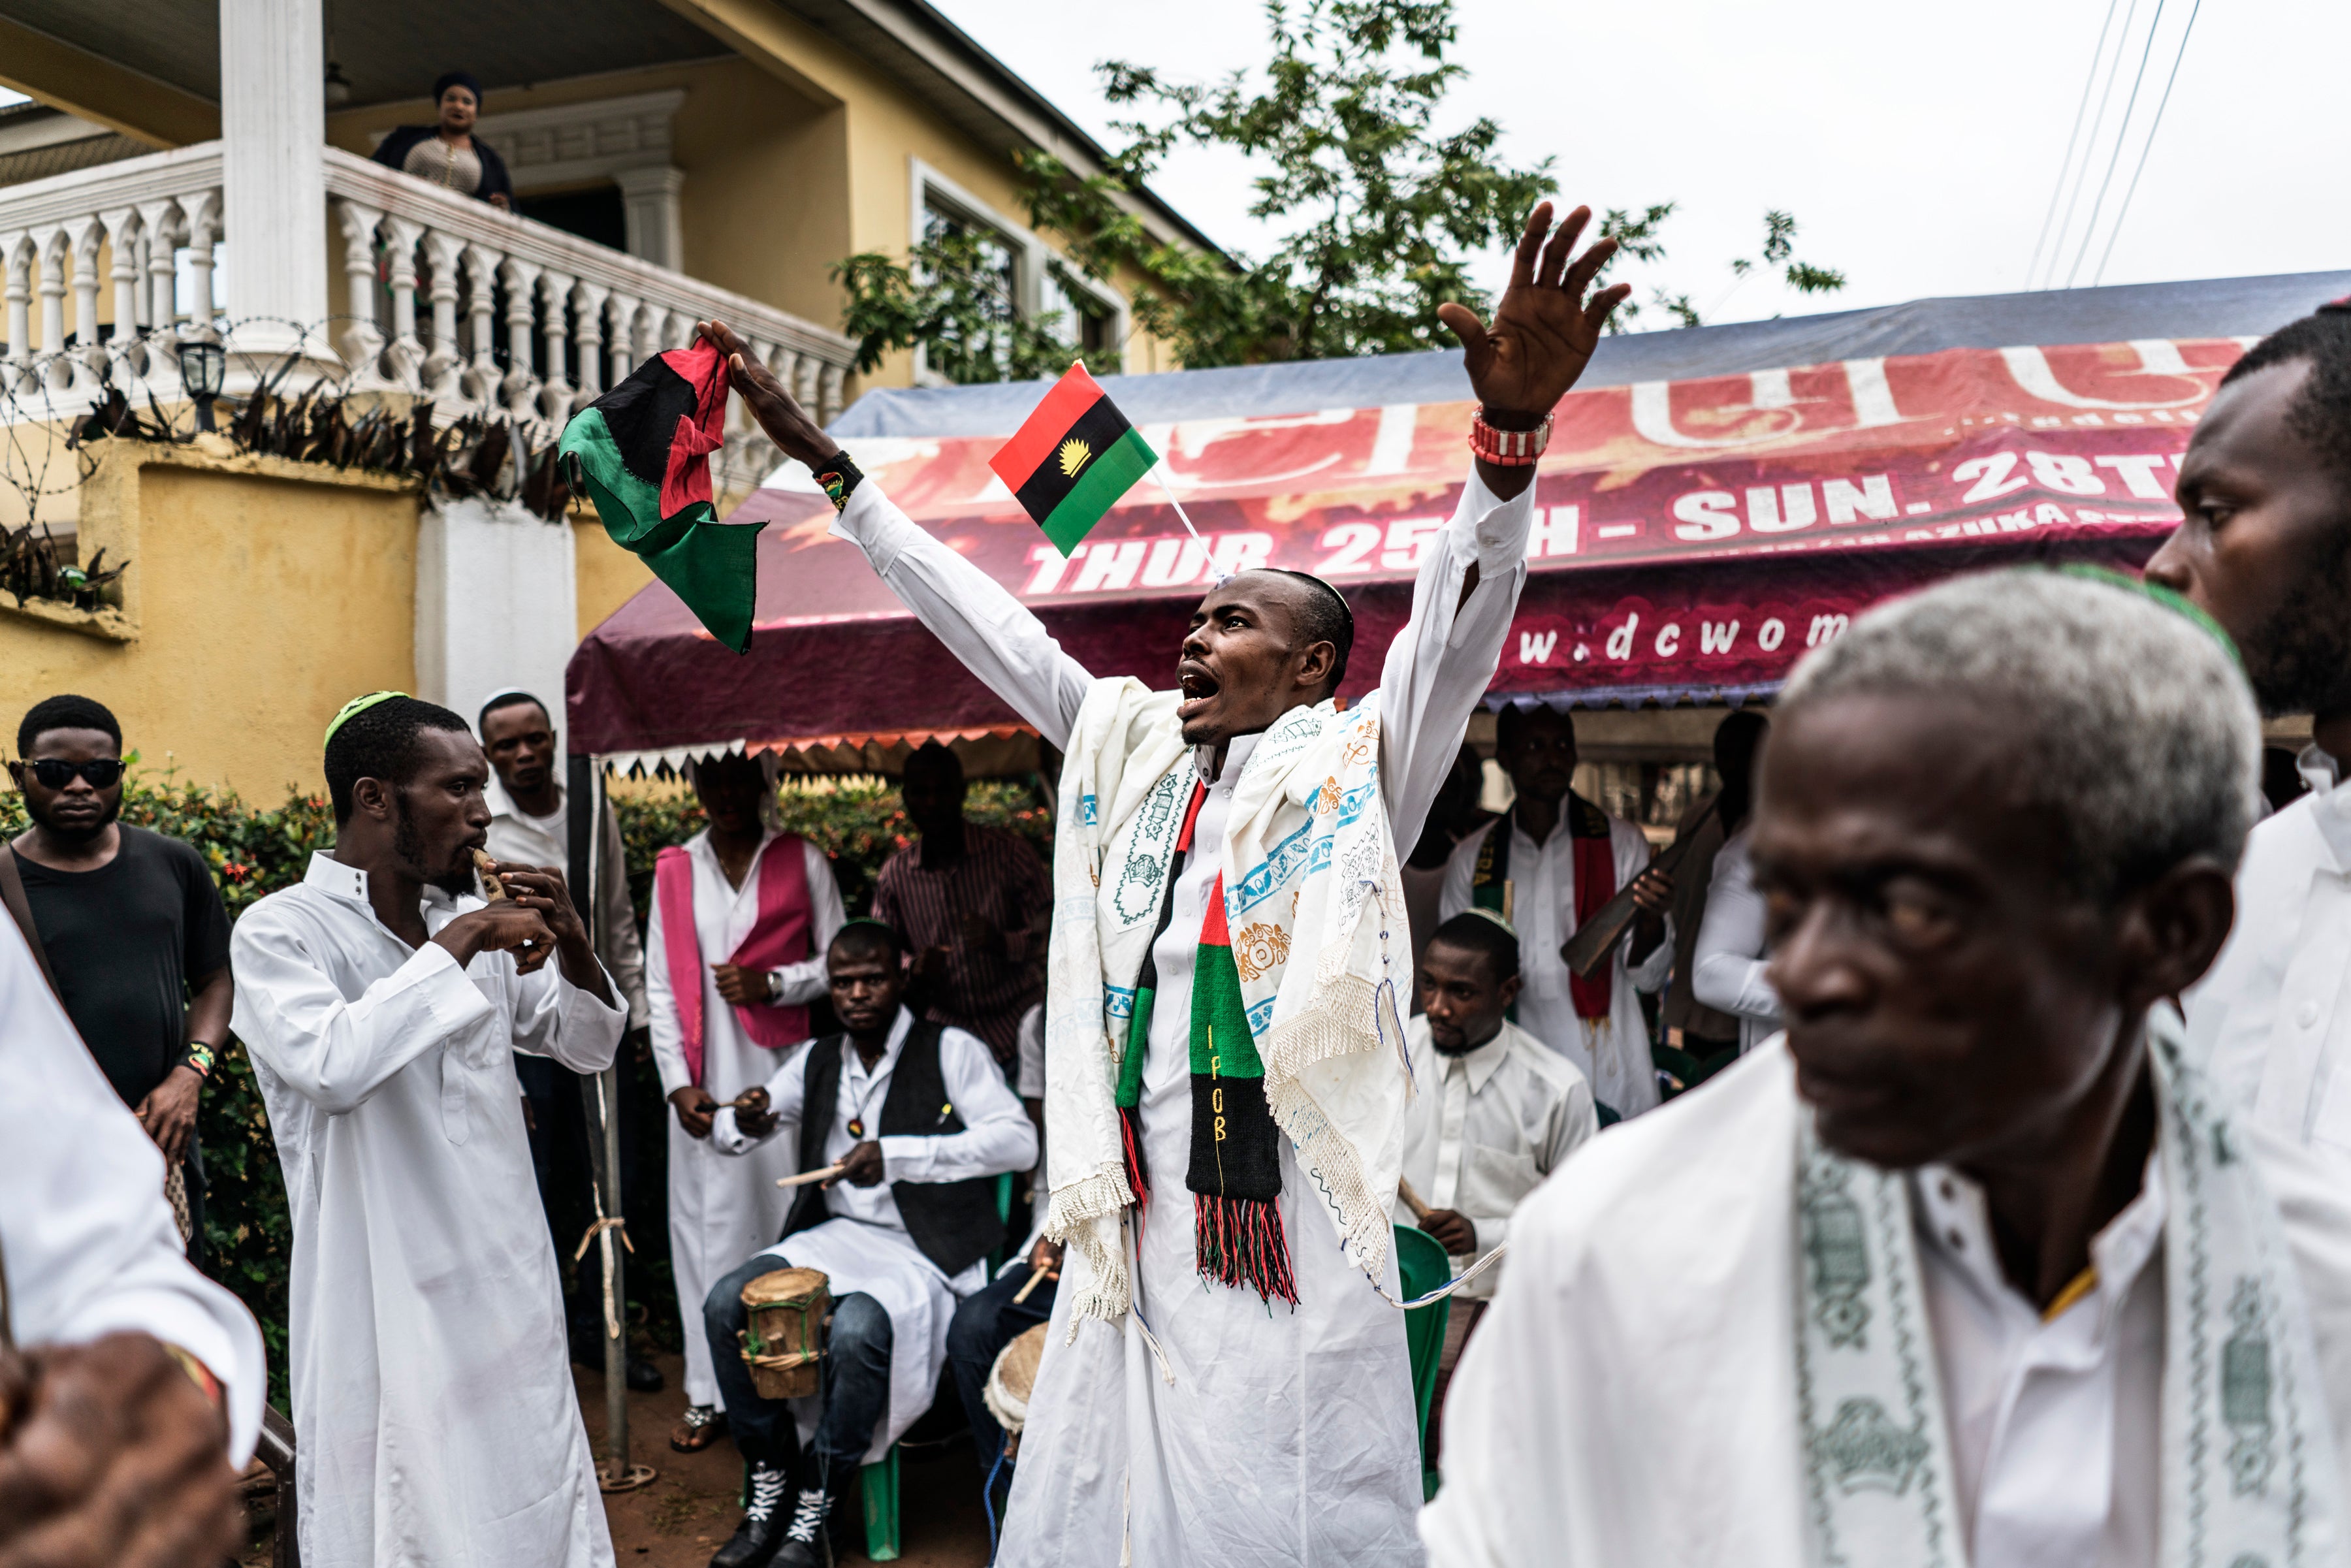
{"x": 86, "y": 1237}
{"x": 1727, "y": 964}
{"x": 864, "y": 1246}
{"x": 2272, "y": 1018}
{"x": 1612, "y": 1053}
{"x": 1485, "y": 1128}
{"x": 432, "y": 1396}
{"x": 2055, "y": 1426}
{"x": 516, "y": 835}
{"x": 1118, "y": 1464}
{"x": 722, "y": 1210}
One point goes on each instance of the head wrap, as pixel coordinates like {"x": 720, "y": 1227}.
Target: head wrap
{"x": 354, "y": 707}
{"x": 1495, "y": 915}
{"x": 458, "y": 79}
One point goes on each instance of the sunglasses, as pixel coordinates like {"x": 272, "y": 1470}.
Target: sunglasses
{"x": 55, "y": 774}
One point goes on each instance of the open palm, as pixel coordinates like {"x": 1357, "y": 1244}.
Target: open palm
{"x": 1543, "y": 331}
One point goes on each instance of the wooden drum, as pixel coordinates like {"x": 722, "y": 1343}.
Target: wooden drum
{"x": 1009, "y": 1382}
{"x": 784, "y": 1346}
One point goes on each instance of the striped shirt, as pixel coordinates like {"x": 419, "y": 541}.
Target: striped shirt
{"x": 998, "y": 877}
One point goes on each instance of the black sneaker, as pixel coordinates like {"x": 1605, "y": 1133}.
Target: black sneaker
{"x": 755, "y": 1540}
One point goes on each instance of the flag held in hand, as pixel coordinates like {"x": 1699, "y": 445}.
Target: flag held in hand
{"x": 1071, "y": 460}
{"x": 642, "y": 453}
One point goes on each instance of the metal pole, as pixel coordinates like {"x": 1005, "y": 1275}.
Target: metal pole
{"x": 599, "y": 1105}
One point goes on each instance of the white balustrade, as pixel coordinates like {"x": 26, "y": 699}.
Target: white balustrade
{"x": 444, "y": 297}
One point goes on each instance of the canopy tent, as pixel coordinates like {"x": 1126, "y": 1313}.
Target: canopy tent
{"x": 1716, "y": 501}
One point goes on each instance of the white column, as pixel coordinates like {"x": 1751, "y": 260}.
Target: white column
{"x": 478, "y": 552}
{"x": 273, "y": 131}
{"x": 649, "y": 205}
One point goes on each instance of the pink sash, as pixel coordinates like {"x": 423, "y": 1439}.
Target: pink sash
{"x": 779, "y": 936}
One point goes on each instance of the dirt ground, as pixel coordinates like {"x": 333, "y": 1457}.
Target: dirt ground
{"x": 690, "y": 1508}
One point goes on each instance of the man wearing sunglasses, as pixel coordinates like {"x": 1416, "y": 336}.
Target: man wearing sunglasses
{"x": 134, "y": 931}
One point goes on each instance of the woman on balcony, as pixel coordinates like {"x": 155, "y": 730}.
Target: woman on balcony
{"x": 449, "y": 153}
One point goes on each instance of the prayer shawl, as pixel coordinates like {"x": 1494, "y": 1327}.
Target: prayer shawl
{"x": 1298, "y": 969}
{"x": 779, "y": 936}
{"x": 2249, "y": 1477}
{"x": 1766, "y": 1296}
{"x": 1596, "y": 883}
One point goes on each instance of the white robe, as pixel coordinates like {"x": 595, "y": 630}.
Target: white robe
{"x": 2270, "y": 1021}
{"x": 1288, "y": 1436}
{"x": 865, "y": 1247}
{"x": 1631, "y": 1397}
{"x": 1612, "y": 1053}
{"x": 433, "y": 1397}
{"x": 87, "y": 1240}
{"x": 722, "y": 1210}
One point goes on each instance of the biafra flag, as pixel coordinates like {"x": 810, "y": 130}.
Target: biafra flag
{"x": 1071, "y": 460}
{"x": 641, "y": 453}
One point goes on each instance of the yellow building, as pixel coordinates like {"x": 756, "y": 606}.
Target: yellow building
{"x": 189, "y": 171}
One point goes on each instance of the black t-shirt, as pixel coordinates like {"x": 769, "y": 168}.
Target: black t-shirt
{"x": 124, "y": 941}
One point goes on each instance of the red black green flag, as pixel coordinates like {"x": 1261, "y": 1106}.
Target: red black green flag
{"x": 1071, "y": 460}
{"x": 641, "y": 453}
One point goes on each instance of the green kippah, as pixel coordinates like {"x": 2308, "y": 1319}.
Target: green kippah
{"x": 354, "y": 707}
{"x": 1493, "y": 915}
{"x": 2177, "y": 602}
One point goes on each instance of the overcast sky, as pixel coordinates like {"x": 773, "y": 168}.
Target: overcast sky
{"x": 1917, "y": 144}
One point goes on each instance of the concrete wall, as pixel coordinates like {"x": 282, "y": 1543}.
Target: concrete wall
{"x": 259, "y": 598}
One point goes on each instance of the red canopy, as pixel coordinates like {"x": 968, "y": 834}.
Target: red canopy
{"x": 1692, "y": 538}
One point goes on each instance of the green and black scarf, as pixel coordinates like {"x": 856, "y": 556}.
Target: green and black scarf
{"x": 1235, "y": 1164}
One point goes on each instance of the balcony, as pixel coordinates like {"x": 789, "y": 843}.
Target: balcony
{"x": 443, "y": 297}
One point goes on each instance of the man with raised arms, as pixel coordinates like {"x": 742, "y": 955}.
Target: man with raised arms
{"x": 1972, "y": 1264}
{"x": 1223, "y": 1068}
{"x": 382, "y": 1003}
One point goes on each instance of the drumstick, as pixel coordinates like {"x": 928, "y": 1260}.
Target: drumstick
{"x": 827, "y": 1173}
{"x": 1412, "y": 1199}
{"x": 1036, "y": 1277}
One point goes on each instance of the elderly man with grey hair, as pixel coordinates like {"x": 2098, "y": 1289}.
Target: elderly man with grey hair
{"x": 1968, "y": 1266}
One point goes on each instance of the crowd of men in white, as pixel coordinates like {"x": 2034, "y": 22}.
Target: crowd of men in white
{"x": 2014, "y": 1228}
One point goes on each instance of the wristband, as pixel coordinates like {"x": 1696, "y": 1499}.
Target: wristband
{"x": 201, "y": 1058}
{"x": 1508, "y": 448}
{"x": 839, "y": 478}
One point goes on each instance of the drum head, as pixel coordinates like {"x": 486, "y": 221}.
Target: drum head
{"x": 1013, "y": 1376}
{"x": 784, "y": 1286}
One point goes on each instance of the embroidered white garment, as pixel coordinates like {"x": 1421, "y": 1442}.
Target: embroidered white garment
{"x": 2271, "y": 1020}
{"x": 722, "y": 1210}
{"x": 1773, "y": 1334}
{"x": 1485, "y": 1130}
{"x": 1612, "y": 1053}
{"x": 432, "y": 1398}
{"x": 1313, "y": 1405}
{"x": 88, "y": 1247}
{"x": 864, "y": 1246}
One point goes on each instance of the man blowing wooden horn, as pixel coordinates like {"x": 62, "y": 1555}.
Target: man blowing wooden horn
{"x": 1224, "y": 1077}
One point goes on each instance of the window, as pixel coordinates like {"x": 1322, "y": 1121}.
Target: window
{"x": 1025, "y": 284}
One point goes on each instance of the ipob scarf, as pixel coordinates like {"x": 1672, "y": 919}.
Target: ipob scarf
{"x": 641, "y": 453}
{"x": 2249, "y": 1477}
{"x": 1294, "y": 1028}
{"x": 1596, "y": 883}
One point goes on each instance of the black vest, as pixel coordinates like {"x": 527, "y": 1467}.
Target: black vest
{"x": 955, "y": 1223}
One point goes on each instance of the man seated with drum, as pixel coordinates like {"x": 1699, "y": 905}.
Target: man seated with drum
{"x": 915, "y": 1122}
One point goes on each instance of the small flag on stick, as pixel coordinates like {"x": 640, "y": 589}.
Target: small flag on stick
{"x": 642, "y": 453}
{"x": 1071, "y": 460}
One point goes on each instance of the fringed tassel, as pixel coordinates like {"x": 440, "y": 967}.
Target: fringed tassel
{"x": 1237, "y": 1242}
{"x": 1138, "y": 1182}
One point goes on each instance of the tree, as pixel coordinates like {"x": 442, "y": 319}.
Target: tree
{"x": 1380, "y": 214}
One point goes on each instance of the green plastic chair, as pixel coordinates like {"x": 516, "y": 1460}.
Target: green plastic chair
{"x": 1422, "y": 1267}
{"x": 878, "y": 1484}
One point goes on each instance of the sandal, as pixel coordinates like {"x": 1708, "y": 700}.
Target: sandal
{"x": 697, "y": 1428}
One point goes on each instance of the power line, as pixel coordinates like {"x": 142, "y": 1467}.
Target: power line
{"x": 2089, "y": 81}
{"x": 2124, "y": 210}
{"x": 2122, "y": 132}
{"x": 2082, "y": 175}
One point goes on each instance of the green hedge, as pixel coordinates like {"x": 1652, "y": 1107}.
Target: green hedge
{"x": 254, "y": 851}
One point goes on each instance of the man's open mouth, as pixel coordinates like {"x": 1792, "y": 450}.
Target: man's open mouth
{"x": 1197, "y": 685}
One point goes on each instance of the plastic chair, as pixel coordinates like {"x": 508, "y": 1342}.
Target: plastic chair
{"x": 878, "y": 1484}
{"x": 1422, "y": 1267}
